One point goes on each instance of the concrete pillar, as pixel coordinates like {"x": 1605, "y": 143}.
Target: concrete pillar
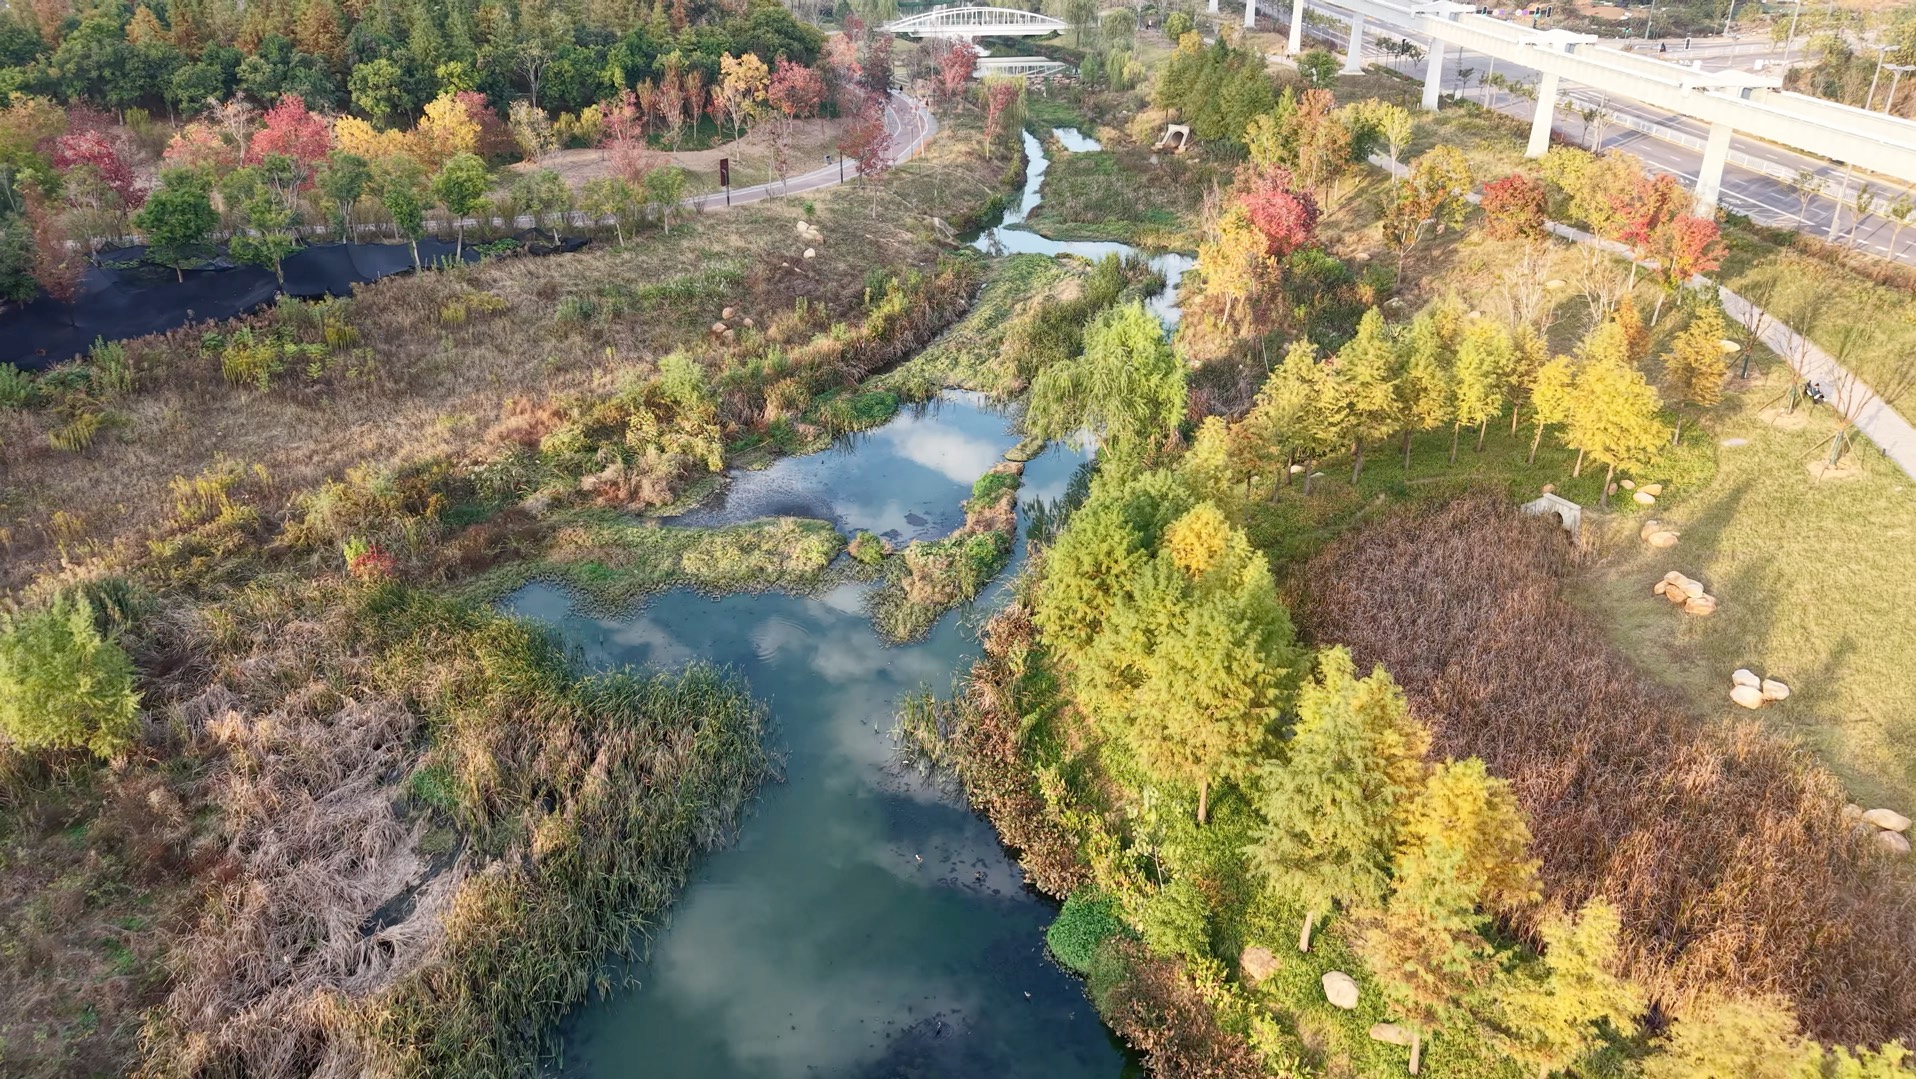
{"x": 1297, "y": 27}
{"x": 1212, "y": 8}
{"x": 1250, "y": 14}
{"x": 1709, "y": 178}
{"x": 1545, "y": 115}
{"x": 1354, "y": 56}
{"x": 1434, "y": 75}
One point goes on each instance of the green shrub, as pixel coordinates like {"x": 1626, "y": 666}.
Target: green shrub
{"x": 112, "y": 373}
{"x": 1086, "y": 921}
{"x": 63, "y": 685}
{"x": 868, "y": 548}
{"x": 16, "y": 388}
{"x": 1109, "y": 969}
{"x": 1177, "y": 921}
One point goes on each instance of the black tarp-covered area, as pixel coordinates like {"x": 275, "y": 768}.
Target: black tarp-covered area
{"x": 124, "y": 297}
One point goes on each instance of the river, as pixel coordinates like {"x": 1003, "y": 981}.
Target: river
{"x": 866, "y": 923}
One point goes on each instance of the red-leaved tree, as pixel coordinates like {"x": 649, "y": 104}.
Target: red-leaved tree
{"x": 59, "y": 265}
{"x": 796, "y": 91}
{"x": 1684, "y": 247}
{"x": 495, "y": 139}
{"x": 292, "y": 131}
{"x": 1653, "y": 203}
{"x": 1285, "y": 217}
{"x": 89, "y": 147}
{"x": 999, "y": 97}
{"x": 1514, "y": 208}
{"x": 955, "y": 66}
{"x": 865, "y": 139}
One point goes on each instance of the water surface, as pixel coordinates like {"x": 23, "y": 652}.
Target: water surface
{"x": 1075, "y": 141}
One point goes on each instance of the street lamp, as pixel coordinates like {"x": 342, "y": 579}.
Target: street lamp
{"x": 1882, "y": 54}
{"x": 1791, "y": 40}
{"x": 1896, "y": 76}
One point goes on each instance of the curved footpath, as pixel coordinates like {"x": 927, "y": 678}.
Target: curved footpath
{"x": 1875, "y": 417}
{"x": 907, "y": 120}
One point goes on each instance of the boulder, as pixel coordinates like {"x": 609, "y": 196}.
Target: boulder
{"x": 1690, "y": 586}
{"x": 1654, "y": 490}
{"x": 1340, "y": 989}
{"x": 1550, "y": 488}
{"x": 749, "y": 323}
{"x": 1644, "y": 498}
{"x": 1675, "y": 595}
{"x": 1743, "y": 676}
{"x": 1297, "y": 470}
{"x": 1893, "y": 842}
{"x": 1747, "y": 696}
{"x": 1703, "y": 606}
{"x": 802, "y": 227}
{"x": 1389, "y": 1034}
{"x": 726, "y": 315}
{"x": 810, "y": 254}
{"x": 1887, "y": 819}
{"x": 1664, "y": 540}
{"x": 718, "y": 327}
{"x": 1660, "y": 588}
{"x": 1648, "y": 527}
{"x": 1628, "y": 485}
{"x": 1258, "y": 962}
{"x": 1774, "y": 690}
{"x": 1852, "y": 812}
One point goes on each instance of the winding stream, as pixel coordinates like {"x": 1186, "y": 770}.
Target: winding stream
{"x": 866, "y": 923}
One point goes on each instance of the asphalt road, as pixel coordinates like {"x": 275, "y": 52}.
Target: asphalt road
{"x": 1674, "y": 143}
{"x": 909, "y": 122}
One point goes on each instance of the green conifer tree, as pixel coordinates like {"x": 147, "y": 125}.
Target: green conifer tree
{"x": 1547, "y": 1014}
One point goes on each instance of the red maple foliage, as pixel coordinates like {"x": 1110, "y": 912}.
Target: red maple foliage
{"x": 1652, "y": 204}
{"x": 998, "y": 98}
{"x": 955, "y": 66}
{"x": 865, "y": 139}
{"x": 495, "y": 139}
{"x": 1686, "y": 246}
{"x": 1514, "y": 208}
{"x": 1284, "y": 216}
{"x": 795, "y": 90}
{"x": 90, "y": 147}
{"x": 290, "y": 130}
{"x": 59, "y": 263}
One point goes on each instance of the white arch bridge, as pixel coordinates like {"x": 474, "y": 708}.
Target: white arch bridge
{"x": 973, "y": 21}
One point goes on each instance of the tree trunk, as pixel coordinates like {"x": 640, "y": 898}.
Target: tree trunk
{"x": 1456, "y": 428}
{"x": 1304, "y": 938}
{"x": 179, "y": 274}
{"x": 1533, "y": 445}
{"x": 1357, "y": 459}
{"x": 1577, "y": 471}
{"x": 1204, "y": 794}
{"x": 1290, "y": 462}
{"x": 1515, "y": 411}
{"x": 1482, "y": 426}
{"x": 1406, "y": 450}
{"x": 1603, "y": 500}
{"x": 1310, "y": 466}
{"x": 1677, "y": 436}
{"x": 1658, "y": 312}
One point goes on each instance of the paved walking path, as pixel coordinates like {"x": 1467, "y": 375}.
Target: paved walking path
{"x": 1876, "y": 418}
{"x": 907, "y": 119}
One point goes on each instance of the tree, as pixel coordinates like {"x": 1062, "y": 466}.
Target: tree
{"x": 58, "y": 263}
{"x": 63, "y": 684}
{"x": 461, "y": 187}
{"x": 1481, "y": 377}
{"x": 177, "y": 218}
{"x": 1548, "y": 1014}
{"x": 1236, "y": 266}
{"x": 1004, "y": 108}
{"x": 446, "y": 130}
{"x": 609, "y": 196}
{"x": 1433, "y": 194}
{"x": 744, "y": 81}
{"x": 342, "y": 179}
{"x": 664, "y": 188}
{"x": 1696, "y": 365}
{"x": 1330, "y": 808}
{"x": 1550, "y": 397}
{"x": 377, "y": 89}
{"x": 1127, "y": 387}
{"x": 543, "y": 194}
{"x": 1286, "y": 218}
{"x": 1366, "y": 369}
{"x": 289, "y": 130}
{"x": 1898, "y": 213}
{"x": 263, "y": 232}
{"x": 1613, "y": 414}
{"x": 1462, "y": 849}
{"x": 1212, "y": 650}
{"x": 1395, "y": 124}
{"x": 865, "y": 140}
{"x": 1426, "y": 390}
{"x": 1514, "y": 208}
{"x": 1807, "y": 184}
{"x": 1684, "y": 248}
{"x": 532, "y": 130}
{"x": 91, "y": 149}
{"x": 956, "y": 62}
{"x": 796, "y": 91}
{"x": 1748, "y": 1038}
{"x": 400, "y": 186}
{"x": 1318, "y": 68}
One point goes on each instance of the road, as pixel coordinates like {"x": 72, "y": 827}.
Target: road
{"x": 1755, "y": 182}
{"x": 907, "y": 120}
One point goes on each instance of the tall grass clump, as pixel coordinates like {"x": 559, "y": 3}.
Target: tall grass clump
{"x": 1722, "y": 845}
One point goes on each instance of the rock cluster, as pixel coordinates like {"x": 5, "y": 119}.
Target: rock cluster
{"x": 1886, "y": 826}
{"x": 1685, "y": 592}
{"x": 1645, "y": 495}
{"x": 1751, "y": 691}
{"x": 1658, "y": 535}
{"x": 809, "y": 231}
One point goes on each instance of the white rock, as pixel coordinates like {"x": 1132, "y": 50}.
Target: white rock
{"x": 1628, "y": 485}
{"x": 1389, "y": 1034}
{"x": 1743, "y": 676}
{"x": 810, "y": 254}
{"x": 1654, "y": 489}
{"x": 726, "y": 315}
{"x": 802, "y": 227}
{"x": 1297, "y": 470}
{"x": 1747, "y": 696}
{"x": 1774, "y": 690}
{"x": 1887, "y": 819}
{"x": 1340, "y": 989}
{"x": 1702, "y": 606}
{"x": 1645, "y": 498}
{"x": 1663, "y": 540}
{"x": 1893, "y": 842}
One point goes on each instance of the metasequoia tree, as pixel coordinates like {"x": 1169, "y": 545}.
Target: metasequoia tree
{"x": 1366, "y": 371}
{"x": 1696, "y": 365}
{"x": 1550, "y": 397}
{"x": 1613, "y": 415}
{"x": 1548, "y": 1014}
{"x": 1331, "y": 805}
{"x": 1426, "y": 388}
{"x": 1461, "y": 852}
{"x": 1480, "y": 377}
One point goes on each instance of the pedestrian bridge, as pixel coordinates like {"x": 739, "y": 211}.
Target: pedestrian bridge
{"x": 971, "y": 21}
{"x": 1018, "y": 65}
